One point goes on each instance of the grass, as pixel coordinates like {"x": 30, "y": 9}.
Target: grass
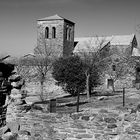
{"x": 113, "y": 100}
{"x": 68, "y": 102}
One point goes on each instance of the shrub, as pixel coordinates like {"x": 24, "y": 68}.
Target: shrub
{"x": 69, "y": 74}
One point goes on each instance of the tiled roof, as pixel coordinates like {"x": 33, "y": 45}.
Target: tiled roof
{"x": 121, "y": 39}
{"x": 52, "y": 17}
{"x": 91, "y": 43}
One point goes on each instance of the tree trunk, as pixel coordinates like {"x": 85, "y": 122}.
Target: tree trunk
{"x": 88, "y": 86}
{"x": 78, "y": 97}
{"x": 41, "y": 90}
{"x": 113, "y": 87}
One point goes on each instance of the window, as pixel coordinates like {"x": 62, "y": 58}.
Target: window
{"x": 69, "y": 33}
{"x": 53, "y": 32}
{"x": 46, "y": 32}
{"x": 113, "y": 67}
{"x": 110, "y": 83}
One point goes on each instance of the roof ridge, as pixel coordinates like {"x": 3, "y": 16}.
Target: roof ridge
{"x": 56, "y": 16}
{"x": 106, "y": 36}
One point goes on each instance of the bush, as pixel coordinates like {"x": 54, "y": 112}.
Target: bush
{"x": 69, "y": 74}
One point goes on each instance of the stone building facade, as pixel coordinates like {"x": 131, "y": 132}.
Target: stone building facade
{"x": 57, "y": 33}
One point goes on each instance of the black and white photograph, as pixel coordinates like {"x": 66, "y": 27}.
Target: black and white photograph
{"x": 69, "y": 70}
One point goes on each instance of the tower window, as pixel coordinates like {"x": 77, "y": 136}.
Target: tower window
{"x": 53, "y": 32}
{"x": 46, "y": 32}
{"x": 114, "y": 67}
{"x": 69, "y": 33}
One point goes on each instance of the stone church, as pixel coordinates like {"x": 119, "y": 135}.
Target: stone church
{"x": 58, "y": 32}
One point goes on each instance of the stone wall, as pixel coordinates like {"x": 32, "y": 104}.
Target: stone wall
{"x": 68, "y": 41}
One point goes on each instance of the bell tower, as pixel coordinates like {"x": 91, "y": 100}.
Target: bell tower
{"x": 57, "y": 33}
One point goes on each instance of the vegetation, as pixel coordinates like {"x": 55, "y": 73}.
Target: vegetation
{"x": 44, "y": 55}
{"x": 69, "y": 73}
{"x": 95, "y": 60}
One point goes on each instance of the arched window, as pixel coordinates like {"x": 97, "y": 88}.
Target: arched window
{"x": 69, "y": 34}
{"x": 114, "y": 67}
{"x": 53, "y": 32}
{"x": 46, "y": 32}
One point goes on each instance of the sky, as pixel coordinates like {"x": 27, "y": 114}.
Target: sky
{"x": 18, "y": 20}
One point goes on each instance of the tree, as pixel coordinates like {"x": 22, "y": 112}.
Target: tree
{"x": 120, "y": 67}
{"x": 94, "y": 55}
{"x": 68, "y": 73}
{"x": 23, "y": 68}
{"x": 44, "y": 56}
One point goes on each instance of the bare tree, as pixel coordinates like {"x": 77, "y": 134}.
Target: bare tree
{"x": 44, "y": 55}
{"x": 120, "y": 66}
{"x": 22, "y": 67}
{"x": 94, "y": 55}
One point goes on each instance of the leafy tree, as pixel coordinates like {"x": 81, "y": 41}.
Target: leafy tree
{"x": 69, "y": 73}
{"x": 94, "y": 55}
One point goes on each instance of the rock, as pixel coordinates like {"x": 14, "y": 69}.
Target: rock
{"x": 111, "y": 126}
{"x": 133, "y": 110}
{"x": 97, "y": 135}
{"x": 136, "y": 127}
{"x": 3, "y": 129}
{"x": 37, "y": 107}
{"x": 99, "y": 118}
{"x": 130, "y": 117}
{"x": 75, "y": 116}
{"x": 86, "y": 118}
{"x": 20, "y": 102}
{"x": 10, "y": 136}
{"x": 110, "y": 120}
{"x": 14, "y": 126}
{"x": 24, "y": 132}
{"x": 138, "y": 107}
{"x": 103, "y": 111}
{"x": 37, "y": 135}
{"x": 80, "y": 136}
{"x": 102, "y": 98}
{"x": 24, "y": 93}
{"x": 80, "y": 130}
{"x": 8, "y": 130}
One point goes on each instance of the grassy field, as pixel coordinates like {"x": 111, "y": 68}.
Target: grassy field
{"x": 98, "y": 99}
{"x": 114, "y": 100}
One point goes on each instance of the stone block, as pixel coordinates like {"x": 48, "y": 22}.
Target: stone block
{"x": 81, "y": 136}
{"x": 14, "y": 126}
{"x": 110, "y": 120}
{"x": 111, "y": 126}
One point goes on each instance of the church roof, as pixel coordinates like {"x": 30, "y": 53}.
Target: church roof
{"x": 54, "y": 17}
{"x": 121, "y": 39}
{"x": 90, "y": 43}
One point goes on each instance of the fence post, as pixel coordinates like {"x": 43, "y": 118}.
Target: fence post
{"x": 78, "y": 97}
{"x": 123, "y": 97}
{"x": 52, "y": 106}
